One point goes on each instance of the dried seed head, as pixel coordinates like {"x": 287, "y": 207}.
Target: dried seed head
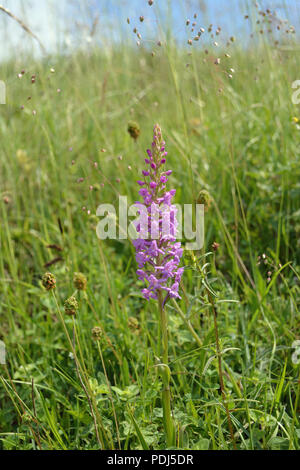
{"x": 80, "y": 281}
{"x": 141, "y": 19}
{"x": 71, "y": 306}
{"x": 150, "y": 3}
{"x": 134, "y": 130}
{"x": 48, "y": 281}
{"x": 97, "y": 333}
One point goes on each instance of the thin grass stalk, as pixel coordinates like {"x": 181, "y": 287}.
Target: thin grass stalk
{"x": 188, "y": 324}
{"x": 99, "y": 439}
{"x": 36, "y": 437}
{"x": 219, "y": 356}
{"x": 110, "y": 394}
{"x": 82, "y": 376}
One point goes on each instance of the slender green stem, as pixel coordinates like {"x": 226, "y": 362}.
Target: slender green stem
{"x": 188, "y": 324}
{"x": 219, "y": 355}
{"x": 84, "y": 381}
{"x": 165, "y": 372}
{"x": 110, "y": 393}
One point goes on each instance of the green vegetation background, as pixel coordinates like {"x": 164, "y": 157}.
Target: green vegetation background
{"x": 233, "y": 136}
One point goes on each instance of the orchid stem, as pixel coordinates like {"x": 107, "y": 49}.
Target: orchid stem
{"x": 165, "y": 372}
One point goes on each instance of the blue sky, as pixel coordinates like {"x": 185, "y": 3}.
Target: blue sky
{"x": 65, "y": 24}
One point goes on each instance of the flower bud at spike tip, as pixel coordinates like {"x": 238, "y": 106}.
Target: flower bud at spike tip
{"x": 48, "y": 281}
{"x": 80, "y": 281}
{"x": 134, "y": 130}
{"x": 71, "y": 306}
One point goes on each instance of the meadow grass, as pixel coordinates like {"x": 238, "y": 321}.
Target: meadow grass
{"x": 233, "y": 136}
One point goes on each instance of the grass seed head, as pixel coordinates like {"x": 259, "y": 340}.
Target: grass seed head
{"x": 71, "y": 306}
{"x": 133, "y": 324}
{"x": 48, "y": 281}
{"x": 97, "y": 333}
{"x": 80, "y": 281}
{"x": 27, "y": 418}
{"x": 204, "y": 198}
{"x": 215, "y": 246}
{"x": 134, "y": 130}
